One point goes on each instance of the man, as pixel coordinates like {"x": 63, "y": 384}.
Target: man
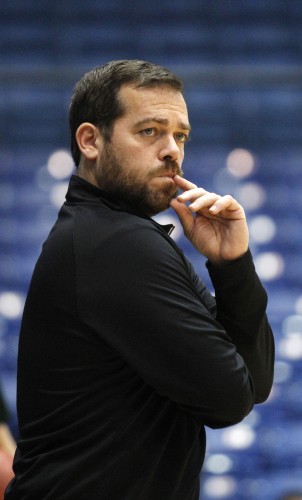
{"x": 124, "y": 355}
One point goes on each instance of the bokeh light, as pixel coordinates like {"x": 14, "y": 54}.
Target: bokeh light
{"x": 60, "y": 164}
{"x": 220, "y": 487}
{"x": 218, "y": 463}
{"x": 58, "y": 193}
{"x": 250, "y": 195}
{"x": 240, "y": 163}
{"x": 262, "y": 229}
{"x": 11, "y": 304}
{"x": 269, "y": 265}
{"x": 239, "y": 436}
{"x": 291, "y": 345}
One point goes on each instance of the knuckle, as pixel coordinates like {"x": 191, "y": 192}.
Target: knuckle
{"x": 229, "y": 197}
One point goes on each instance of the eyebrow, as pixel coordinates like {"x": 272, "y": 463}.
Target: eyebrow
{"x": 162, "y": 121}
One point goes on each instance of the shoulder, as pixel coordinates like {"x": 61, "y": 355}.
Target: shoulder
{"x": 104, "y": 229}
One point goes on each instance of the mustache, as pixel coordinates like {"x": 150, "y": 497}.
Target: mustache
{"x": 170, "y": 166}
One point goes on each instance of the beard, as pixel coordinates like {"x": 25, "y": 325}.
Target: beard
{"x": 115, "y": 177}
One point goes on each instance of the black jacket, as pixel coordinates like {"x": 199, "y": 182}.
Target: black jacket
{"x": 124, "y": 356}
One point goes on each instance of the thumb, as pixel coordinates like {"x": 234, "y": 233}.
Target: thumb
{"x": 184, "y": 214}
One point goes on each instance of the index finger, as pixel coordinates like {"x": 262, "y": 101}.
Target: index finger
{"x": 183, "y": 183}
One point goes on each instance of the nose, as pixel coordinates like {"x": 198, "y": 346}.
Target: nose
{"x": 169, "y": 149}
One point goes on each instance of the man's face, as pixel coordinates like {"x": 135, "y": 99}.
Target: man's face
{"x": 146, "y": 148}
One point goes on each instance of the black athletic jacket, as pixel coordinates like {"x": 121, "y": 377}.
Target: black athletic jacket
{"x": 125, "y": 356}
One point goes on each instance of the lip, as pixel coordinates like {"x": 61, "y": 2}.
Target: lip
{"x": 168, "y": 174}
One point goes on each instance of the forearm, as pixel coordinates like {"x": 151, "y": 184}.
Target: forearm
{"x": 241, "y": 309}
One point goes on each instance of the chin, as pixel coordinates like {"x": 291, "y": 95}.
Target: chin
{"x": 153, "y": 201}
{"x": 152, "y": 209}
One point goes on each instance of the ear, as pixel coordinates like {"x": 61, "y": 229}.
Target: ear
{"x": 88, "y": 138}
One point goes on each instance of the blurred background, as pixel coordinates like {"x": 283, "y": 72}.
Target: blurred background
{"x": 241, "y": 63}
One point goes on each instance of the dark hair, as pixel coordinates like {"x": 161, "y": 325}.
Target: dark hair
{"x": 96, "y": 95}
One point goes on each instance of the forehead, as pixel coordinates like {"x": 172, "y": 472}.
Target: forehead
{"x": 164, "y": 101}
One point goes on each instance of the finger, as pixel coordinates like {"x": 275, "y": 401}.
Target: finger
{"x": 226, "y": 202}
{"x": 183, "y": 183}
{"x": 191, "y": 195}
{"x": 206, "y": 201}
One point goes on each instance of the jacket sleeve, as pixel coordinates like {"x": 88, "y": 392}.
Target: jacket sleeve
{"x": 241, "y": 304}
{"x": 138, "y": 294}
{"x": 4, "y": 414}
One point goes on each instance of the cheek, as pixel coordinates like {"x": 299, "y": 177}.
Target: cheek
{"x": 130, "y": 152}
{"x": 135, "y": 158}
{"x": 139, "y": 158}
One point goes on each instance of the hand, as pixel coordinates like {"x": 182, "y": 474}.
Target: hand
{"x": 215, "y": 225}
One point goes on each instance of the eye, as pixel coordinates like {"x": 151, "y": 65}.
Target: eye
{"x": 148, "y": 131}
{"x": 181, "y": 137}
